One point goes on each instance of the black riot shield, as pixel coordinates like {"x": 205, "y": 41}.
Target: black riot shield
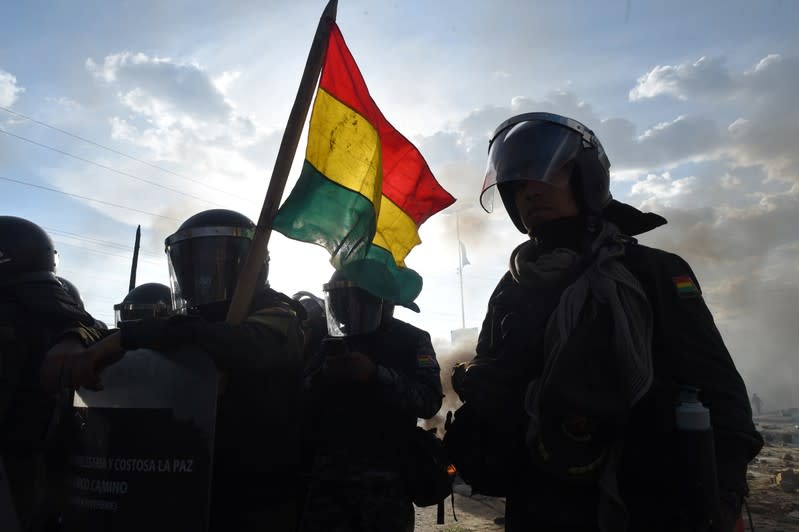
{"x": 142, "y": 448}
{"x": 8, "y": 516}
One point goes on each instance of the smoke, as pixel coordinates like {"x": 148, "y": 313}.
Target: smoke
{"x": 448, "y": 355}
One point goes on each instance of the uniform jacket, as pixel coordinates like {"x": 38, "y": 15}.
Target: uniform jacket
{"x": 373, "y": 418}
{"x": 33, "y": 317}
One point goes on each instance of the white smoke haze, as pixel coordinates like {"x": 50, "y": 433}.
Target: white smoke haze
{"x": 448, "y": 355}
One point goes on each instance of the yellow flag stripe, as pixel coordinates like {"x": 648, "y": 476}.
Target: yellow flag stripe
{"x": 396, "y": 231}
{"x": 345, "y": 147}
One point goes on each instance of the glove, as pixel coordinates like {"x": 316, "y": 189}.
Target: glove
{"x": 352, "y": 367}
{"x": 68, "y": 364}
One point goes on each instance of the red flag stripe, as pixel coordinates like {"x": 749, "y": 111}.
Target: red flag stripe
{"x": 407, "y": 179}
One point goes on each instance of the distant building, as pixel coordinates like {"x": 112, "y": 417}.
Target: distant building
{"x": 468, "y": 334}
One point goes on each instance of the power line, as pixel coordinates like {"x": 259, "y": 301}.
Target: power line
{"x": 107, "y": 243}
{"x": 109, "y": 168}
{"x": 131, "y": 157}
{"x": 69, "y": 273}
{"x": 101, "y": 252}
{"x": 26, "y": 183}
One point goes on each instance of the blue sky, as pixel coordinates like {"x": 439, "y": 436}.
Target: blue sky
{"x": 694, "y": 103}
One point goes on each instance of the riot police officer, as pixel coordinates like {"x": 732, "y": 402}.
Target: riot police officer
{"x": 37, "y": 314}
{"x": 148, "y": 300}
{"x": 256, "y": 445}
{"x": 586, "y": 344}
{"x": 373, "y": 376}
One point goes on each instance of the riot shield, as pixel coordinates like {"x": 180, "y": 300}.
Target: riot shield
{"x": 8, "y": 516}
{"x": 142, "y": 448}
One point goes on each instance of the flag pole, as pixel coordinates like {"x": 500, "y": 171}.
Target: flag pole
{"x": 460, "y": 266}
{"x": 245, "y": 287}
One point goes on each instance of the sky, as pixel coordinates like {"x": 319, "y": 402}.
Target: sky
{"x": 147, "y": 112}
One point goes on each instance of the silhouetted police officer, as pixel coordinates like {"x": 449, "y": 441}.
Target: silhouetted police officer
{"x": 372, "y": 378}
{"x": 586, "y": 345}
{"x": 37, "y": 314}
{"x": 256, "y": 450}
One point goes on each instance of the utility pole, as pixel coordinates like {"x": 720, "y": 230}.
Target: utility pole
{"x": 460, "y": 267}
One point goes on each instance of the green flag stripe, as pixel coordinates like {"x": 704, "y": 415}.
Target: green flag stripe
{"x": 325, "y": 213}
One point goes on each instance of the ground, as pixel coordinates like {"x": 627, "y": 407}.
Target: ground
{"x": 774, "y": 507}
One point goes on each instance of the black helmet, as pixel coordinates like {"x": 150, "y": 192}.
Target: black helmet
{"x": 72, "y": 290}
{"x": 350, "y": 309}
{"x": 152, "y": 300}
{"x": 315, "y": 321}
{"x": 314, "y": 306}
{"x": 533, "y": 147}
{"x": 206, "y": 255}
{"x": 24, "y": 248}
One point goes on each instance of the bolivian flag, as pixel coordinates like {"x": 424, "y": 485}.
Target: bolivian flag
{"x": 364, "y": 189}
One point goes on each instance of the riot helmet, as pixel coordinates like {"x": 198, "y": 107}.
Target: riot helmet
{"x": 149, "y": 300}
{"x": 537, "y": 147}
{"x": 25, "y": 248}
{"x": 350, "y": 310}
{"x": 72, "y": 290}
{"x": 315, "y": 325}
{"x": 206, "y": 255}
{"x": 314, "y": 306}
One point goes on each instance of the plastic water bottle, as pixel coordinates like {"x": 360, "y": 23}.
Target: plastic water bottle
{"x": 698, "y": 456}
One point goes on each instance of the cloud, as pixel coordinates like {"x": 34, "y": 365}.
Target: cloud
{"x": 705, "y": 76}
{"x": 9, "y": 90}
{"x": 662, "y": 187}
{"x": 177, "y": 114}
{"x": 156, "y": 86}
{"x": 762, "y": 99}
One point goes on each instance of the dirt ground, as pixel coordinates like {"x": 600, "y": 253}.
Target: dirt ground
{"x": 774, "y": 505}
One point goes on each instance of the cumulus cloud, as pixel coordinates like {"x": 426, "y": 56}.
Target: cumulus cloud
{"x": 9, "y": 90}
{"x": 705, "y": 76}
{"x": 177, "y": 113}
{"x": 162, "y": 84}
{"x": 763, "y": 97}
{"x": 662, "y": 187}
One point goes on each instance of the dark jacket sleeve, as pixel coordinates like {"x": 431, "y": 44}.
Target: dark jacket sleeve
{"x": 269, "y": 338}
{"x": 695, "y": 355}
{"x": 416, "y": 387}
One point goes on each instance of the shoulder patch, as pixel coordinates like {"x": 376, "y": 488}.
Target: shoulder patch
{"x": 426, "y": 361}
{"x": 685, "y": 286}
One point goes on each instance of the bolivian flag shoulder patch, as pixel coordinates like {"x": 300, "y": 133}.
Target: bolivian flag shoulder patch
{"x": 426, "y": 361}
{"x": 685, "y": 286}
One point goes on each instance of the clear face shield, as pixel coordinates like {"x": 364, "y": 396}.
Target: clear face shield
{"x": 532, "y": 147}
{"x": 204, "y": 264}
{"x": 138, "y": 311}
{"x": 351, "y": 310}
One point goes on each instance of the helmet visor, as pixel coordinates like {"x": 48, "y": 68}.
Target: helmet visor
{"x": 205, "y": 270}
{"x": 533, "y": 150}
{"x": 351, "y": 310}
{"x": 137, "y": 311}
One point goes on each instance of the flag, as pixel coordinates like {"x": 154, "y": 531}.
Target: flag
{"x": 464, "y": 258}
{"x": 364, "y": 189}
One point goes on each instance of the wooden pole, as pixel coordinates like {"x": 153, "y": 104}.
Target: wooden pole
{"x": 245, "y": 288}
